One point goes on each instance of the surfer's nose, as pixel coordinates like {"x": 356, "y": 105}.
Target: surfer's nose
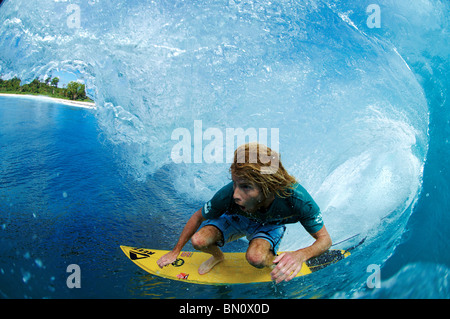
{"x": 237, "y": 198}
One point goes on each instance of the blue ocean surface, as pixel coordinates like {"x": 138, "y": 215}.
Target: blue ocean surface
{"x": 362, "y": 113}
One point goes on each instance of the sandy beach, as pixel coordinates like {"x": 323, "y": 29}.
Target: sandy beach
{"x": 88, "y": 105}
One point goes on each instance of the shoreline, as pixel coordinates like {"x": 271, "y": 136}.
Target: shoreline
{"x": 86, "y": 105}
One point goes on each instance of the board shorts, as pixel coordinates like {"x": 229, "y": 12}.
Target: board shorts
{"x": 234, "y": 227}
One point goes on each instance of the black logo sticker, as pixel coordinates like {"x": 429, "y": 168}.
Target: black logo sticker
{"x": 140, "y": 253}
{"x": 178, "y": 262}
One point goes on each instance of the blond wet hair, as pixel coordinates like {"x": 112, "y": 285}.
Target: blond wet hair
{"x": 262, "y": 166}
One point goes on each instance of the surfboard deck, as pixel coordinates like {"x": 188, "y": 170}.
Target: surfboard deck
{"x": 233, "y": 270}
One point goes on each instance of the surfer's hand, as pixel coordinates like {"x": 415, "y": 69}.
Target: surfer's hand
{"x": 288, "y": 265}
{"x": 167, "y": 259}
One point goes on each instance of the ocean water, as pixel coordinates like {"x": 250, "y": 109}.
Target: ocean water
{"x": 357, "y": 93}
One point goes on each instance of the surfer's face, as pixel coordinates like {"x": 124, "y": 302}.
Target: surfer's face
{"x": 247, "y": 195}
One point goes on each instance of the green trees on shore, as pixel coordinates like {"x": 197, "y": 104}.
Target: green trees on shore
{"x": 73, "y": 91}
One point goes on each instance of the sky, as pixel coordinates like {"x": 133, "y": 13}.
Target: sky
{"x": 65, "y": 77}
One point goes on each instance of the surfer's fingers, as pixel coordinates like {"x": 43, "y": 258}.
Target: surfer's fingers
{"x": 294, "y": 273}
{"x": 277, "y": 273}
{"x": 283, "y": 268}
{"x": 284, "y": 276}
{"x": 280, "y": 273}
{"x": 286, "y": 270}
{"x": 160, "y": 263}
{"x": 279, "y": 270}
{"x": 165, "y": 260}
{"x": 289, "y": 272}
{"x": 278, "y": 258}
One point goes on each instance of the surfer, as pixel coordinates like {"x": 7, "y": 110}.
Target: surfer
{"x": 261, "y": 199}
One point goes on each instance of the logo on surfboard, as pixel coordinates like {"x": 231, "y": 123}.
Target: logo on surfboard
{"x": 140, "y": 253}
{"x": 178, "y": 262}
{"x": 183, "y": 276}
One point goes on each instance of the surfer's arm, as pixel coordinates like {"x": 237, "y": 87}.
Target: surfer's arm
{"x": 191, "y": 227}
{"x": 289, "y": 264}
{"x": 320, "y": 245}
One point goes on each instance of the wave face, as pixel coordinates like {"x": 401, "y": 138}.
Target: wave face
{"x": 351, "y": 110}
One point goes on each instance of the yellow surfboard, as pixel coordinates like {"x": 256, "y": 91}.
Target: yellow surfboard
{"x": 233, "y": 270}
